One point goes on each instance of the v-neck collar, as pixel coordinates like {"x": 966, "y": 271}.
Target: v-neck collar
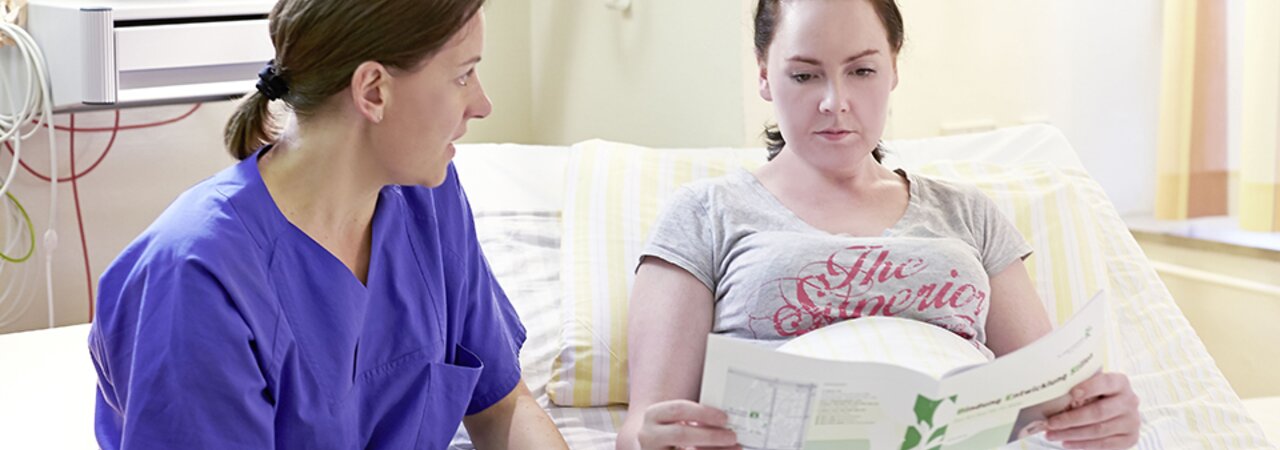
{"x": 268, "y": 224}
{"x": 913, "y": 196}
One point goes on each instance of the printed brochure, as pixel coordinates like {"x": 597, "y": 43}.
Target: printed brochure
{"x": 783, "y": 401}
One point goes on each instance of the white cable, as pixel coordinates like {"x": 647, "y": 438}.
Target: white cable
{"x": 11, "y": 314}
{"x": 11, "y": 125}
{"x": 9, "y": 245}
{"x": 38, "y": 103}
{"x": 8, "y": 129}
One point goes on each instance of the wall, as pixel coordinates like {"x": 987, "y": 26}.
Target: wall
{"x": 1090, "y": 67}
{"x": 504, "y": 73}
{"x": 665, "y": 73}
{"x": 679, "y": 73}
{"x": 143, "y": 172}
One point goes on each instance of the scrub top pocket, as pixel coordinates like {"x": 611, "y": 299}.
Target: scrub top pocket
{"x": 449, "y": 394}
{"x": 415, "y": 394}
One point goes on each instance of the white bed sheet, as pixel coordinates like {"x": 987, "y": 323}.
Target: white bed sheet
{"x": 47, "y": 389}
{"x": 1266, "y": 410}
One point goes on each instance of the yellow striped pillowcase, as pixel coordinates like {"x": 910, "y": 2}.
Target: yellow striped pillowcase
{"x": 613, "y": 194}
{"x": 1049, "y": 211}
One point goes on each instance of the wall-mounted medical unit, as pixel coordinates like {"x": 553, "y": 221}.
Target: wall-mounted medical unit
{"x": 119, "y": 53}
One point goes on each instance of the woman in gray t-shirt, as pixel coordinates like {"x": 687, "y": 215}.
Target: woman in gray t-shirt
{"x": 823, "y": 233}
{"x": 774, "y": 274}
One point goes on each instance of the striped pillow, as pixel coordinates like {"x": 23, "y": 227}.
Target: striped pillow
{"x": 613, "y": 194}
{"x": 1047, "y": 206}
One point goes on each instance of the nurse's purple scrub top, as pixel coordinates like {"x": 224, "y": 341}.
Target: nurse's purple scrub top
{"x": 224, "y": 326}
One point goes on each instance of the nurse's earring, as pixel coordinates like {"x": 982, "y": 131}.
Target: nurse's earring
{"x": 377, "y": 117}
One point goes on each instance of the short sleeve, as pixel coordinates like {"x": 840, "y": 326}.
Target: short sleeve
{"x": 682, "y": 235}
{"x": 494, "y": 333}
{"x": 999, "y": 241}
{"x": 177, "y": 365}
{"x": 491, "y": 328}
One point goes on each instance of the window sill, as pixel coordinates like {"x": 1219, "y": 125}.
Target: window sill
{"x": 1219, "y": 234}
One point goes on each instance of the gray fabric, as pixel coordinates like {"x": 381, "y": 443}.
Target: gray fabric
{"x": 774, "y": 277}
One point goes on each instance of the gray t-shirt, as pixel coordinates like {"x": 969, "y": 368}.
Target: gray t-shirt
{"x": 775, "y": 277}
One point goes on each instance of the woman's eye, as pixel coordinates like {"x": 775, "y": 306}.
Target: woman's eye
{"x": 801, "y": 77}
{"x": 462, "y": 80}
{"x": 864, "y": 72}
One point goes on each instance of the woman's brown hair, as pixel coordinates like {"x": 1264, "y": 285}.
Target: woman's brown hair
{"x": 319, "y": 44}
{"x": 766, "y": 24}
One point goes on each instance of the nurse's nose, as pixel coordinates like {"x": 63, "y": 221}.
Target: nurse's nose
{"x": 480, "y": 106}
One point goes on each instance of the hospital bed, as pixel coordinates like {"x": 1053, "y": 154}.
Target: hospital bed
{"x": 561, "y": 227}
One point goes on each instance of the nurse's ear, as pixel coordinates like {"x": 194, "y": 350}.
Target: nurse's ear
{"x": 370, "y": 85}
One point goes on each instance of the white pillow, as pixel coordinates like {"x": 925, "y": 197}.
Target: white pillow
{"x": 512, "y": 177}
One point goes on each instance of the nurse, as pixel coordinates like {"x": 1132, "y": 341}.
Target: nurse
{"x": 328, "y": 291}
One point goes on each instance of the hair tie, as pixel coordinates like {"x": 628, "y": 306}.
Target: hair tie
{"x": 270, "y": 83}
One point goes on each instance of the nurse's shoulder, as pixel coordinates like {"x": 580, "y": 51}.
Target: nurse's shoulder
{"x": 185, "y": 325}
{"x": 203, "y": 242}
{"x": 203, "y": 223}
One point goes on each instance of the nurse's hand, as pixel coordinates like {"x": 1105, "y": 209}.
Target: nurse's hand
{"x": 684, "y": 424}
{"x": 1103, "y": 415}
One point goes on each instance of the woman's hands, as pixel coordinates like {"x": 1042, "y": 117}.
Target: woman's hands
{"x": 684, "y": 424}
{"x": 1103, "y": 415}
{"x": 1103, "y": 411}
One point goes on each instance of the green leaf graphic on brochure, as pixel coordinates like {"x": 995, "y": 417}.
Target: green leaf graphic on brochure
{"x": 912, "y": 439}
{"x": 925, "y": 409}
{"x": 937, "y": 434}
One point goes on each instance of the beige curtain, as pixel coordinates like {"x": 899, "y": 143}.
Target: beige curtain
{"x": 1259, "y": 189}
{"x": 1192, "y": 161}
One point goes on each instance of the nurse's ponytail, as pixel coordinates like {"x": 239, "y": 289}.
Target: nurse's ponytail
{"x": 251, "y": 126}
{"x": 319, "y": 44}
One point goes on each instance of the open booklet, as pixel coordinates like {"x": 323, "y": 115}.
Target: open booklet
{"x": 779, "y": 400}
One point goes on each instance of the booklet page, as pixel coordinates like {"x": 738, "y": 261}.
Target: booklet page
{"x": 897, "y": 384}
